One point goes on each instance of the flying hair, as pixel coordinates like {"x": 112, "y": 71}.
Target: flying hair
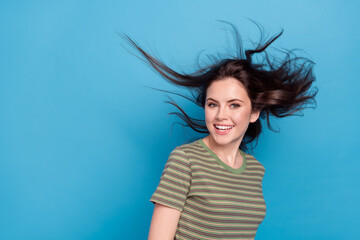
{"x": 276, "y": 86}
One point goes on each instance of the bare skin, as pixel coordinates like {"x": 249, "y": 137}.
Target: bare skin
{"x": 163, "y": 223}
{"x": 227, "y": 106}
{"x": 231, "y": 157}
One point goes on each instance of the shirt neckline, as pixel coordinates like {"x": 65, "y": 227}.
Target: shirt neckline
{"x": 227, "y": 167}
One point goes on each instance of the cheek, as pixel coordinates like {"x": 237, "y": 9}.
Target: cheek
{"x": 209, "y": 115}
{"x": 242, "y": 117}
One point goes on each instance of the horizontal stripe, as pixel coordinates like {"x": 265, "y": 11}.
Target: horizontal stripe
{"x": 215, "y": 203}
{"x": 212, "y": 177}
{"x": 213, "y": 190}
{"x": 225, "y": 186}
{"x": 232, "y": 198}
{"x": 213, "y": 225}
{"x": 208, "y": 235}
{"x": 228, "y": 220}
{"x": 174, "y": 190}
{"x": 169, "y": 195}
{"x": 222, "y": 214}
{"x": 243, "y": 206}
{"x": 221, "y": 173}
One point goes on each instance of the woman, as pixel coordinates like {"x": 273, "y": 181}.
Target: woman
{"x": 211, "y": 188}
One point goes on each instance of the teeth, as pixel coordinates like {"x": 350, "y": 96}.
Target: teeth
{"x": 223, "y": 127}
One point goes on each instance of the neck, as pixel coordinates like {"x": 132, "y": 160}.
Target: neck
{"x": 227, "y": 153}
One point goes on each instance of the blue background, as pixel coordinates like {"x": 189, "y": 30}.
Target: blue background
{"x": 83, "y": 141}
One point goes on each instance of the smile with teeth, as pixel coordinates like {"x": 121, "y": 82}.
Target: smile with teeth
{"x": 223, "y": 127}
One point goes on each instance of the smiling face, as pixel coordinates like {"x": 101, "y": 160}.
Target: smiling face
{"x": 228, "y": 111}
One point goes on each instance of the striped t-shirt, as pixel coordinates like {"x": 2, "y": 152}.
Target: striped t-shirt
{"x": 216, "y": 201}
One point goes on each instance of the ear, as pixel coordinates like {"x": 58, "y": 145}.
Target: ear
{"x": 255, "y": 115}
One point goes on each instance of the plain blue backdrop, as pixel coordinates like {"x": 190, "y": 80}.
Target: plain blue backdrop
{"x": 83, "y": 140}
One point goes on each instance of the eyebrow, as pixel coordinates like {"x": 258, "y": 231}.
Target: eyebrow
{"x": 231, "y": 100}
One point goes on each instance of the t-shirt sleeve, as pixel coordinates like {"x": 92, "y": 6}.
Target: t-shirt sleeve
{"x": 174, "y": 182}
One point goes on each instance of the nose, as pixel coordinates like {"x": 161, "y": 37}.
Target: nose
{"x": 222, "y": 114}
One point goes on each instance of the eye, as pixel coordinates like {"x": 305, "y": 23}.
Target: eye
{"x": 212, "y": 105}
{"x": 235, "y": 105}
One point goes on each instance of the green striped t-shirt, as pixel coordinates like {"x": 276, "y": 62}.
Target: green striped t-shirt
{"x": 216, "y": 201}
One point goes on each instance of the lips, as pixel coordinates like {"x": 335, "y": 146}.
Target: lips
{"x": 223, "y": 129}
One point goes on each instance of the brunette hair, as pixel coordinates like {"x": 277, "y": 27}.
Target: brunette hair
{"x": 276, "y": 86}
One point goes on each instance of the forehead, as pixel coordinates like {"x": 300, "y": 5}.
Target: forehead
{"x": 227, "y": 88}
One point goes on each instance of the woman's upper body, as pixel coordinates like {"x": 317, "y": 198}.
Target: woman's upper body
{"x": 215, "y": 187}
{"x": 213, "y": 200}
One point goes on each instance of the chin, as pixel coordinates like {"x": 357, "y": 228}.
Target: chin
{"x": 223, "y": 140}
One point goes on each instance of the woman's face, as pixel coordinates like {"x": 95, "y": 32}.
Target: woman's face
{"x": 228, "y": 111}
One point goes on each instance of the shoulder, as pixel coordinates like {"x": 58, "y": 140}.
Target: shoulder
{"x": 253, "y": 164}
{"x": 180, "y": 154}
{"x": 187, "y": 151}
{"x": 188, "y": 148}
